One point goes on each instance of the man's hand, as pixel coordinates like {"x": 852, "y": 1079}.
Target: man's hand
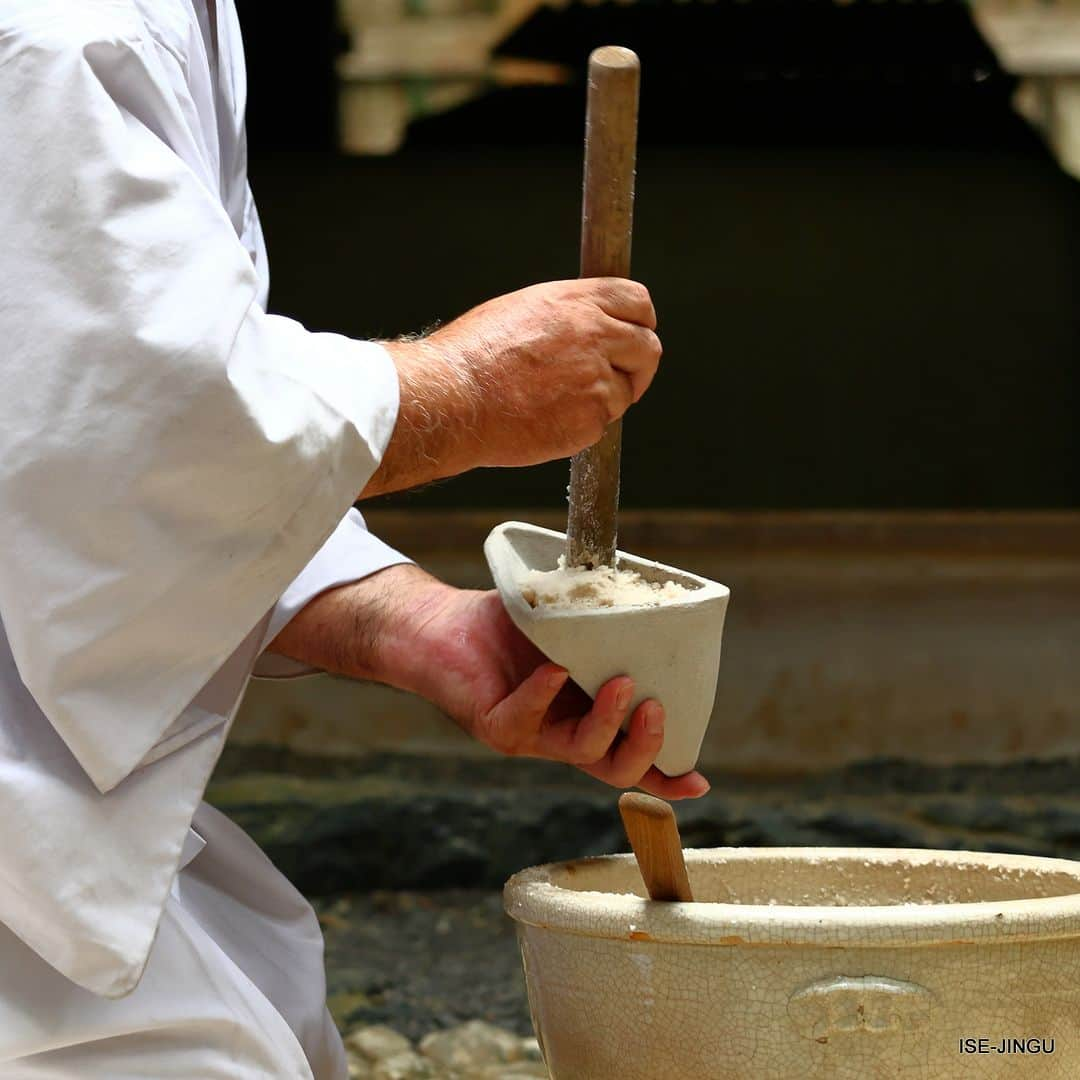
{"x": 458, "y": 649}
{"x": 527, "y": 377}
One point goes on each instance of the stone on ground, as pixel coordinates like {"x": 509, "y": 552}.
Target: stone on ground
{"x": 530, "y": 1049}
{"x": 472, "y": 1045}
{"x": 359, "y": 1068}
{"x": 472, "y": 1051}
{"x": 377, "y": 1043}
{"x": 511, "y": 1072}
{"x": 408, "y": 1065}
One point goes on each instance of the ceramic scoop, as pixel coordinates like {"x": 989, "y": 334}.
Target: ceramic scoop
{"x": 671, "y": 650}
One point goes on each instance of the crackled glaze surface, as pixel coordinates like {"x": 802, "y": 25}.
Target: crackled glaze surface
{"x": 830, "y": 964}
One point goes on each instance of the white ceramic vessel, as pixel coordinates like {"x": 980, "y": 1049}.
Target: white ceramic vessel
{"x": 672, "y": 650}
{"x": 829, "y": 964}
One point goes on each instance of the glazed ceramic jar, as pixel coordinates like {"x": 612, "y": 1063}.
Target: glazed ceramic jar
{"x": 820, "y": 964}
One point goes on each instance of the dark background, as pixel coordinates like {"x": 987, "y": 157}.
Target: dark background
{"x": 865, "y": 264}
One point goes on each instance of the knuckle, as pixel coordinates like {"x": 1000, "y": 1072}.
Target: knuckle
{"x": 605, "y": 410}
{"x": 590, "y": 290}
{"x": 596, "y": 337}
{"x": 613, "y": 292}
{"x": 499, "y": 741}
{"x": 588, "y": 755}
{"x": 596, "y": 387}
{"x": 554, "y": 291}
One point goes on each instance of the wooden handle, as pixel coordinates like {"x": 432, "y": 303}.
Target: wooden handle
{"x": 607, "y": 217}
{"x": 654, "y": 835}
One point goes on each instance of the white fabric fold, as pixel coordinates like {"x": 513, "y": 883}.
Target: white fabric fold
{"x": 172, "y": 455}
{"x": 83, "y": 875}
{"x": 171, "y": 458}
{"x": 234, "y": 988}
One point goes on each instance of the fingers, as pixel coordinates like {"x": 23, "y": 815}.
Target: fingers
{"x": 534, "y": 719}
{"x": 522, "y": 724}
{"x": 636, "y": 353}
{"x": 631, "y": 758}
{"x": 629, "y": 356}
{"x": 629, "y": 763}
{"x": 615, "y": 395}
{"x": 596, "y": 731}
{"x": 691, "y": 785}
{"x": 623, "y": 299}
{"x": 514, "y": 725}
{"x": 583, "y": 740}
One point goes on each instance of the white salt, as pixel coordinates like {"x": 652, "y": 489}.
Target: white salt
{"x": 604, "y": 587}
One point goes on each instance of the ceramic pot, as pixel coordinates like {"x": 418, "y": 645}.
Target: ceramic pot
{"x": 672, "y": 650}
{"x": 824, "y": 964}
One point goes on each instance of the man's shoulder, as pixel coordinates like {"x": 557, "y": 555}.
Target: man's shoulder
{"x": 42, "y": 34}
{"x": 62, "y": 26}
{"x": 95, "y": 36}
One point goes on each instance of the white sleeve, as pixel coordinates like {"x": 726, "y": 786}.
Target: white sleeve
{"x": 172, "y": 455}
{"x": 350, "y": 554}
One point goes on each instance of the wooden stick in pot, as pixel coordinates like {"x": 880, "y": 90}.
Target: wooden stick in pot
{"x": 654, "y": 835}
{"x": 607, "y": 216}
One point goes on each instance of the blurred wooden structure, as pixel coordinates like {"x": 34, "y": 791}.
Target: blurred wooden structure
{"x": 409, "y": 58}
{"x": 1039, "y": 40}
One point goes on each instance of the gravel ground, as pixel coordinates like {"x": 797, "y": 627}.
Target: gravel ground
{"x": 471, "y": 1051}
{"x": 422, "y": 961}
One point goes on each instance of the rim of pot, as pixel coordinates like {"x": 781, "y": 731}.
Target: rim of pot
{"x": 531, "y": 897}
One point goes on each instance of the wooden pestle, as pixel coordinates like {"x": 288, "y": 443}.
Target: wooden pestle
{"x": 607, "y": 215}
{"x": 654, "y": 835}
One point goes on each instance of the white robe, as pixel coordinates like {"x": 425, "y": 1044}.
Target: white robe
{"x": 176, "y": 472}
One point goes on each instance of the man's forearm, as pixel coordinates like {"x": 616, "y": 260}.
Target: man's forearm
{"x": 361, "y": 629}
{"x": 434, "y": 425}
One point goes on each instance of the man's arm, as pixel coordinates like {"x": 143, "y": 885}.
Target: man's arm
{"x": 525, "y": 378}
{"x": 458, "y": 649}
{"x": 178, "y": 455}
